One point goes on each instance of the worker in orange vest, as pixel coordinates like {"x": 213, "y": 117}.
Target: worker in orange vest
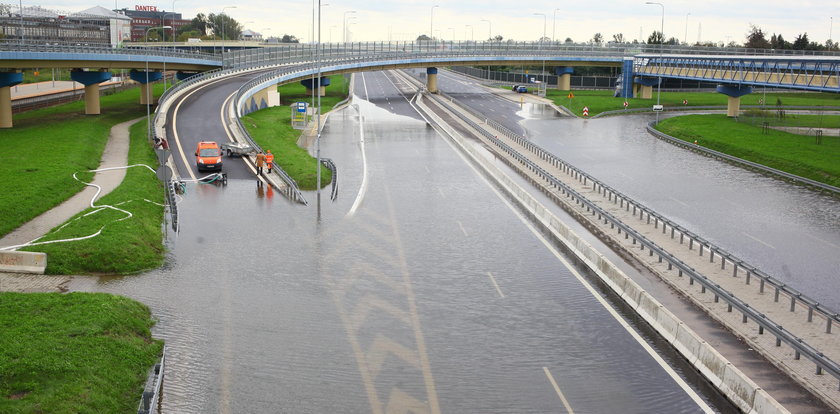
{"x": 269, "y": 160}
{"x": 260, "y": 162}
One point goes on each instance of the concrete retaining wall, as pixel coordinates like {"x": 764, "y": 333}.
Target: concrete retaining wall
{"x": 733, "y": 383}
{"x": 23, "y": 262}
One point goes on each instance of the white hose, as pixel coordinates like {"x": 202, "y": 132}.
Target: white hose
{"x": 92, "y": 205}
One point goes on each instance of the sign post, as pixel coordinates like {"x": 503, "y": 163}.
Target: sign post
{"x": 299, "y": 115}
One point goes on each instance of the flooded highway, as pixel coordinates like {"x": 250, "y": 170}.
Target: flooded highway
{"x": 419, "y": 289}
{"x": 789, "y": 231}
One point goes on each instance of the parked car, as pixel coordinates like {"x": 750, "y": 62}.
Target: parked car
{"x": 208, "y": 156}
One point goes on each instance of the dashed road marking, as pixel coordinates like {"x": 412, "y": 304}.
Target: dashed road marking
{"x": 679, "y": 201}
{"x": 559, "y": 393}
{"x": 496, "y": 285}
{"x": 463, "y": 230}
{"x": 758, "y": 240}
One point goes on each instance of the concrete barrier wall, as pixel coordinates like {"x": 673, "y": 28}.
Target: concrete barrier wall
{"x": 23, "y": 262}
{"x": 733, "y": 383}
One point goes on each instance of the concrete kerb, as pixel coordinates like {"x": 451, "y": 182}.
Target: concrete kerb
{"x": 23, "y": 262}
{"x": 763, "y": 403}
{"x": 734, "y": 384}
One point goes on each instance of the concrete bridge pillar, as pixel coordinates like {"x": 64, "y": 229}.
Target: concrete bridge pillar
{"x": 564, "y": 77}
{"x": 431, "y": 80}
{"x": 145, "y": 80}
{"x": 627, "y": 78}
{"x": 91, "y": 80}
{"x": 646, "y": 86}
{"x": 322, "y": 88}
{"x": 7, "y": 80}
{"x": 734, "y": 92}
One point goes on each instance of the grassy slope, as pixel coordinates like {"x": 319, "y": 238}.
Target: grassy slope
{"x": 795, "y": 154}
{"x": 271, "y": 129}
{"x": 599, "y": 100}
{"x": 128, "y": 246}
{"x": 73, "y": 353}
{"x": 46, "y": 146}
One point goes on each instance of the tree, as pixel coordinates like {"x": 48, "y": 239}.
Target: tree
{"x": 223, "y": 25}
{"x": 672, "y": 41}
{"x": 618, "y": 38}
{"x": 184, "y": 35}
{"x": 756, "y": 39}
{"x": 829, "y": 45}
{"x": 197, "y": 24}
{"x": 497, "y": 38}
{"x": 597, "y": 39}
{"x": 779, "y": 42}
{"x": 568, "y": 40}
{"x": 423, "y": 37}
{"x": 655, "y": 38}
{"x": 801, "y": 42}
{"x": 289, "y": 39}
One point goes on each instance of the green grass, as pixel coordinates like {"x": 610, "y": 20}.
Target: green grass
{"x": 600, "y": 100}
{"x": 46, "y": 146}
{"x": 73, "y": 353}
{"x": 790, "y": 120}
{"x": 796, "y": 154}
{"x": 271, "y": 129}
{"x": 123, "y": 247}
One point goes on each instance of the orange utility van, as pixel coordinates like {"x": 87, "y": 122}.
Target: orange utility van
{"x": 208, "y": 156}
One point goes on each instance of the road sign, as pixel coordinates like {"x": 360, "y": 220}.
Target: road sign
{"x": 685, "y": 101}
{"x": 658, "y": 108}
{"x": 625, "y": 104}
{"x": 585, "y": 111}
{"x": 300, "y": 106}
{"x": 571, "y": 95}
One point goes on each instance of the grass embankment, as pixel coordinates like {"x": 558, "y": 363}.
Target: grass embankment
{"x": 600, "y": 100}
{"x": 46, "y": 146}
{"x": 127, "y": 246}
{"x": 73, "y": 353}
{"x": 271, "y": 128}
{"x": 796, "y": 154}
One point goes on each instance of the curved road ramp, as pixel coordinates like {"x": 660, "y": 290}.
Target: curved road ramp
{"x": 23, "y": 262}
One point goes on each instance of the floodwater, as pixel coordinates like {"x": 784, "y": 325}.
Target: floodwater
{"x": 419, "y": 289}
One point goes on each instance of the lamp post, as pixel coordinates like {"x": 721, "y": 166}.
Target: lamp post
{"x": 830, "y": 27}
{"x": 20, "y": 5}
{"x": 223, "y": 32}
{"x": 489, "y": 29}
{"x": 554, "y": 27}
{"x": 685, "y": 39}
{"x": 344, "y": 36}
{"x": 661, "y": 46}
{"x": 149, "y": 88}
{"x": 318, "y": 120}
{"x": 331, "y": 27}
{"x": 472, "y": 37}
{"x": 453, "y": 32}
{"x": 432, "y": 21}
{"x": 541, "y": 42}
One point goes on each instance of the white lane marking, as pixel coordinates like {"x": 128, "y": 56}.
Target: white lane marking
{"x": 363, "y": 188}
{"x": 758, "y": 240}
{"x": 175, "y": 133}
{"x": 679, "y": 201}
{"x": 822, "y": 241}
{"x": 246, "y": 160}
{"x": 635, "y": 335}
{"x": 364, "y": 83}
{"x": 493, "y": 279}
{"x": 441, "y": 193}
{"x": 463, "y": 230}
{"x": 559, "y": 393}
{"x": 427, "y": 169}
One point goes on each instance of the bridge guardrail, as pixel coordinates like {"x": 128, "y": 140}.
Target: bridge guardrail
{"x": 800, "y": 347}
{"x": 59, "y": 47}
{"x": 153, "y": 388}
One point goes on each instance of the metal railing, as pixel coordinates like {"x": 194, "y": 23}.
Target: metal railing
{"x": 800, "y": 347}
{"x": 59, "y": 47}
{"x": 328, "y": 162}
{"x": 153, "y": 388}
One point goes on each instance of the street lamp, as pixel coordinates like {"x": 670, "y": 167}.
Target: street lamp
{"x": 472, "y": 37}
{"x": 453, "y": 32}
{"x": 661, "y": 46}
{"x": 489, "y": 28}
{"x": 541, "y": 42}
{"x": 331, "y": 27}
{"x": 432, "y": 21}
{"x": 20, "y": 4}
{"x": 344, "y": 36}
{"x": 349, "y": 22}
{"x": 554, "y": 27}
{"x": 685, "y": 39}
{"x": 223, "y": 31}
{"x": 149, "y": 88}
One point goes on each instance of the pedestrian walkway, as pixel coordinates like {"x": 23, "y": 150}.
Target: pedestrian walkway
{"x": 115, "y": 155}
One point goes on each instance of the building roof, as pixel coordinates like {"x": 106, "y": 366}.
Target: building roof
{"x": 99, "y": 11}
{"x": 38, "y": 11}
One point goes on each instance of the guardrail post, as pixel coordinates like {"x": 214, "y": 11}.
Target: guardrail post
{"x": 761, "y": 286}
{"x": 828, "y": 324}
{"x": 701, "y": 249}
{"x": 776, "y": 295}
{"x": 760, "y": 330}
{"x": 748, "y": 276}
{"x": 793, "y": 303}
{"x": 810, "y": 313}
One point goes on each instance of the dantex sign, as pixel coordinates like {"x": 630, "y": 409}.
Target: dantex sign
{"x": 146, "y": 8}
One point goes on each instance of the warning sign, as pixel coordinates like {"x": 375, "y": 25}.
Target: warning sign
{"x": 571, "y": 95}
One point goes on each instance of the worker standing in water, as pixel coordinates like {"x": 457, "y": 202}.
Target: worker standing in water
{"x": 260, "y": 162}
{"x": 269, "y": 160}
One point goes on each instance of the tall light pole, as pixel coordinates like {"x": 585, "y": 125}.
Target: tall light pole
{"x": 349, "y": 22}
{"x": 432, "y": 21}
{"x": 472, "y": 37}
{"x": 318, "y": 120}
{"x": 685, "y": 38}
{"x": 661, "y": 46}
{"x": 149, "y": 88}
{"x": 223, "y": 32}
{"x": 541, "y": 42}
{"x": 489, "y": 29}
{"x": 830, "y": 27}
{"x": 344, "y": 36}
{"x": 331, "y": 27}
{"x": 554, "y": 27}
{"x": 20, "y": 5}
{"x": 453, "y": 32}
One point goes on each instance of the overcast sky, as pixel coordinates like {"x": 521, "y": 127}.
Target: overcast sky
{"x": 709, "y": 20}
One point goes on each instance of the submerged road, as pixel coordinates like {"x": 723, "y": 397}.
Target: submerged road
{"x": 789, "y": 231}
{"x": 420, "y": 289}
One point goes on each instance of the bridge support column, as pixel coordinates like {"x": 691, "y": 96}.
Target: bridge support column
{"x": 145, "y": 80}
{"x": 431, "y": 80}
{"x": 734, "y": 92}
{"x": 322, "y": 88}
{"x": 91, "y": 80}
{"x": 564, "y": 77}
{"x": 646, "y": 88}
{"x": 627, "y": 78}
{"x": 7, "y": 80}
